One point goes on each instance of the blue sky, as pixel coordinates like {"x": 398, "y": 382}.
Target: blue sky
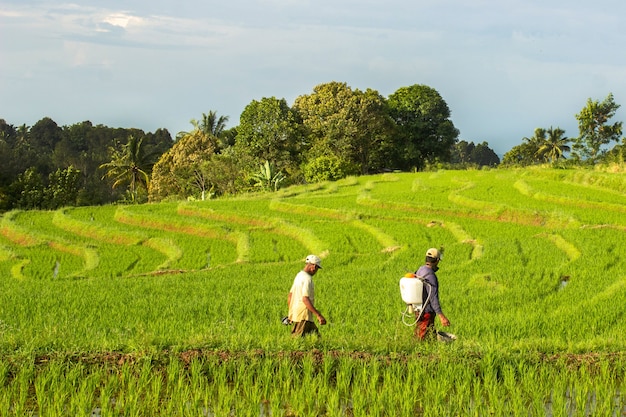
{"x": 505, "y": 67}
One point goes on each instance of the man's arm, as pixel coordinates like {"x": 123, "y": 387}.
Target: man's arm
{"x": 309, "y": 305}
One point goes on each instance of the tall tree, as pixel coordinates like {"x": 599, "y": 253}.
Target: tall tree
{"x": 554, "y": 144}
{"x": 7, "y": 158}
{"x": 349, "y": 124}
{"x": 483, "y": 155}
{"x": 269, "y": 131}
{"x": 461, "y": 152}
{"x": 183, "y": 171}
{"x": 62, "y": 189}
{"x": 528, "y": 152}
{"x": 594, "y": 127}
{"x": 372, "y": 146}
{"x": 425, "y": 131}
{"x": 212, "y": 126}
{"x": 43, "y": 137}
{"x": 130, "y": 166}
{"x": 325, "y": 113}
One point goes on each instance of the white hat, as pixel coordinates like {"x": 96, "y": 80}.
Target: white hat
{"x": 312, "y": 259}
{"x": 433, "y": 253}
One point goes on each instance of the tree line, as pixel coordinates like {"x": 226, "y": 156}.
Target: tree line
{"x": 598, "y": 140}
{"x": 333, "y": 132}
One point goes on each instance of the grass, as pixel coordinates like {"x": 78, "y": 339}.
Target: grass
{"x": 110, "y": 302}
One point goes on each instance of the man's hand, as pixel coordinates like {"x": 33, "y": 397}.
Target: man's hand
{"x": 309, "y": 305}
{"x": 444, "y": 320}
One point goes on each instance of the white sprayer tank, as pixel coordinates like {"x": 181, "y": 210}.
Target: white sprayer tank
{"x": 411, "y": 290}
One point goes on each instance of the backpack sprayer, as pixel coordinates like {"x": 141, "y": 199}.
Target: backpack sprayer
{"x": 412, "y": 292}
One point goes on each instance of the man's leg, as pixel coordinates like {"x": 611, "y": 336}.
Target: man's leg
{"x": 304, "y": 328}
{"x": 425, "y": 327}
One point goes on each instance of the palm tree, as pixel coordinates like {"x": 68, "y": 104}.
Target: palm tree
{"x": 211, "y": 126}
{"x": 554, "y": 145}
{"x": 530, "y": 149}
{"x": 130, "y": 165}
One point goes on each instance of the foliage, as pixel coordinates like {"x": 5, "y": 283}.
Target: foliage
{"x": 554, "y": 145}
{"x": 268, "y": 178}
{"x": 595, "y": 130}
{"x": 63, "y": 188}
{"x": 424, "y": 127}
{"x": 350, "y": 124}
{"x": 183, "y": 170}
{"x": 325, "y": 168}
{"x": 269, "y": 130}
{"x": 226, "y": 174}
{"x": 30, "y": 188}
{"x": 130, "y": 166}
{"x": 48, "y": 148}
{"x": 468, "y": 154}
{"x": 546, "y": 145}
{"x": 334, "y": 132}
{"x": 617, "y": 155}
{"x": 213, "y": 127}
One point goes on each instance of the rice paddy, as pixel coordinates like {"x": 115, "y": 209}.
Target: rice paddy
{"x": 174, "y": 308}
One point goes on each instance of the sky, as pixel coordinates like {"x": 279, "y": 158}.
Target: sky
{"x": 504, "y": 67}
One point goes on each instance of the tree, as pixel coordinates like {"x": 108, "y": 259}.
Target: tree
{"x": 528, "y": 152}
{"x": 554, "y": 144}
{"x": 465, "y": 153}
{"x": 461, "y": 152}
{"x": 372, "y": 146}
{"x": 269, "y": 130}
{"x": 617, "y": 154}
{"x": 483, "y": 155}
{"x": 130, "y": 165}
{"x": 28, "y": 190}
{"x": 8, "y": 172}
{"x": 43, "y": 138}
{"x": 350, "y": 124}
{"x": 183, "y": 170}
{"x": 324, "y": 168}
{"x": 225, "y": 174}
{"x": 212, "y": 126}
{"x": 425, "y": 131}
{"x": 594, "y": 128}
{"x": 63, "y": 187}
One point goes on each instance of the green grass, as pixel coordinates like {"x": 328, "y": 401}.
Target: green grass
{"x": 533, "y": 267}
{"x": 507, "y": 254}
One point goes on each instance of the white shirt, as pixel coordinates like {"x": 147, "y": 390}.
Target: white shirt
{"x": 302, "y": 287}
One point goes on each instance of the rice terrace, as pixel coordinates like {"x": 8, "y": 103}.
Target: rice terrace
{"x": 174, "y": 309}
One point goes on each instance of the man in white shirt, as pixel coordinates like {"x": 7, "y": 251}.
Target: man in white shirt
{"x": 301, "y": 300}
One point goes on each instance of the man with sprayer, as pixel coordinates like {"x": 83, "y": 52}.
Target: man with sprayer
{"x": 420, "y": 291}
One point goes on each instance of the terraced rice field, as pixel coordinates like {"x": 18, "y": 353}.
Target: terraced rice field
{"x": 174, "y": 308}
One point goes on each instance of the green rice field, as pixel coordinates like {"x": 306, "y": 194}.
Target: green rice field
{"x": 174, "y": 309}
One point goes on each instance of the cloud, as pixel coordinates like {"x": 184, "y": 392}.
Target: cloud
{"x": 504, "y": 67}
